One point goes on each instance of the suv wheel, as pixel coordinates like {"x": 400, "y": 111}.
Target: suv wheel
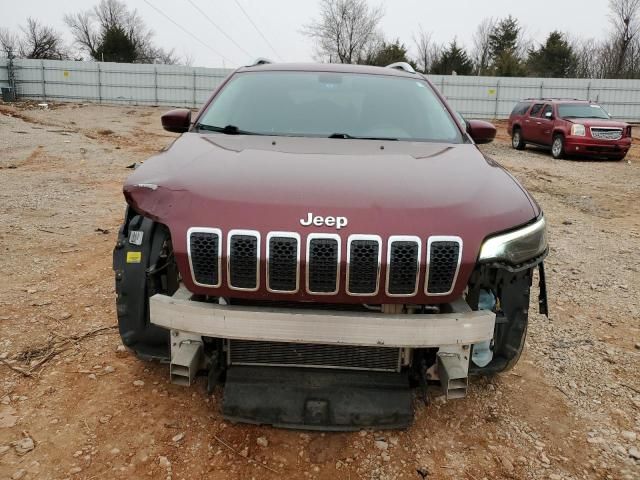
{"x": 557, "y": 147}
{"x": 517, "y": 141}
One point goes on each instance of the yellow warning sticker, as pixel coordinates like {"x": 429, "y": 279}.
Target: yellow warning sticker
{"x": 65, "y": 73}
{"x": 134, "y": 257}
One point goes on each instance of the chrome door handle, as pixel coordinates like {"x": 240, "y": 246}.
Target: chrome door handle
{"x": 538, "y": 123}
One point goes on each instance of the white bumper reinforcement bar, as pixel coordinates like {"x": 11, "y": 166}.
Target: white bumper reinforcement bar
{"x": 323, "y": 327}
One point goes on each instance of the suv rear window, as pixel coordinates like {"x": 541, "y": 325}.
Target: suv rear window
{"x": 521, "y": 108}
{"x": 321, "y": 104}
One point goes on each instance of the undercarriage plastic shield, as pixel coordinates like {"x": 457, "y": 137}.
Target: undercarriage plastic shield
{"x": 310, "y": 399}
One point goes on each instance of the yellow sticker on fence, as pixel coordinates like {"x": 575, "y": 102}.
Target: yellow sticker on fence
{"x": 134, "y": 257}
{"x": 492, "y": 91}
{"x": 65, "y": 73}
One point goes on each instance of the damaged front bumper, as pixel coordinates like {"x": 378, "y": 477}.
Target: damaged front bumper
{"x": 460, "y": 327}
{"x": 326, "y": 398}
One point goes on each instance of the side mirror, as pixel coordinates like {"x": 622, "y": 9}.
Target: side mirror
{"x": 481, "y": 131}
{"x": 177, "y": 121}
{"x": 548, "y": 115}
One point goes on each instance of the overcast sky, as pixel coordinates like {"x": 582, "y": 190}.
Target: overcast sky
{"x": 280, "y": 22}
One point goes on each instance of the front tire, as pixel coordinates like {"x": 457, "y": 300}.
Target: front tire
{"x": 517, "y": 141}
{"x": 557, "y": 147}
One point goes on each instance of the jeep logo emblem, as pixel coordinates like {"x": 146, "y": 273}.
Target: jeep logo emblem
{"x": 318, "y": 221}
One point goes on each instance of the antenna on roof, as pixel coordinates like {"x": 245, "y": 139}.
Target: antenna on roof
{"x": 260, "y": 61}
{"x": 402, "y": 66}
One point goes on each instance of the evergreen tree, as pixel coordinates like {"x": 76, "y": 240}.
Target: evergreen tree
{"x": 387, "y": 54}
{"x": 503, "y": 44}
{"x": 116, "y": 46}
{"x": 454, "y": 58}
{"x": 555, "y": 58}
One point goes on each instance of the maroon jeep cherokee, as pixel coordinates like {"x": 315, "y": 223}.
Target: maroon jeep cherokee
{"x": 323, "y": 238}
{"x": 569, "y": 127}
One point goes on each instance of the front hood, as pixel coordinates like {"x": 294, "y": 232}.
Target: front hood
{"x": 598, "y": 122}
{"x": 383, "y": 188}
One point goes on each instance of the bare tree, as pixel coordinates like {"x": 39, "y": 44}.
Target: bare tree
{"x": 83, "y": 31}
{"x": 345, "y": 30}
{"x": 90, "y": 28}
{"x": 41, "y": 41}
{"x": 481, "y": 53}
{"x": 428, "y": 51}
{"x": 8, "y": 42}
{"x": 625, "y": 17}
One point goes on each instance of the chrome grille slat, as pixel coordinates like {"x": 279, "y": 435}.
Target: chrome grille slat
{"x": 323, "y": 264}
{"x": 204, "y": 249}
{"x": 363, "y": 264}
{"x": 403, "y": 266}
{"x": 444, "y": 255}
{"x": 243, "y": 260}
{"x": 283, "y": 262}
{"x": 606, "y": 133}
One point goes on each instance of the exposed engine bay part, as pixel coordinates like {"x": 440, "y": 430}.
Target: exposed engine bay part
{"x": 332, "y": 400}
{"x": 144, "y": 265}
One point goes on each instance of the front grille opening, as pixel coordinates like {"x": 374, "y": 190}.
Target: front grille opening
{"x": 283, "y": 264}
{"x": 403, "y": 267}
{"x": 204, "y": 248}
{"x": 443, "y": 265}
{"x": 243, "y": 352}
{"x": 363, "y": 267}
{"x": 243, "y": 262}
{"x": 323, "y": 265}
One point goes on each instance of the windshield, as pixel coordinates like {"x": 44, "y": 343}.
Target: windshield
{"x": 581, "y": 110}
{"x": 335, "y": 105}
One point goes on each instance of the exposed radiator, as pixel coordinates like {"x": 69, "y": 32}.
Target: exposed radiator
{"x": 241, "y": 352}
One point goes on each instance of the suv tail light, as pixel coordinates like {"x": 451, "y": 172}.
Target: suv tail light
{"x": 629, "y": 131}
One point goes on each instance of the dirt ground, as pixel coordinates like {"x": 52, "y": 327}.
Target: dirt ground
{"x": 73, "y": 405}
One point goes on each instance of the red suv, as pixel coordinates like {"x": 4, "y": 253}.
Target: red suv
{"x": 568, "y": 127}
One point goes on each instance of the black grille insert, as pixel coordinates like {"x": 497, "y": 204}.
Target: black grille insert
{"x": 243, "y": 262}
{"x": 243, "y": 352}
{"x": 323, "y": 265}
{"x": 403, "y": 267}
{"x": 443, "y": 264}
{"x": 363, "y": 267}
{"x": 204, "y": 248}
{"x": 283, "y": 264}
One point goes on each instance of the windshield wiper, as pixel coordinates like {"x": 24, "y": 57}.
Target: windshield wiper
{"x": 353, "y": 137}
{"x": 229, "y": 129}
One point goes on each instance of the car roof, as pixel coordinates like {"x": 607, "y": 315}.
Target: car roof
{"x": 328, "y": 67}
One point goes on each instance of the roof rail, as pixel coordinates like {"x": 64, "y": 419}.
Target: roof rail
{"x": 402, "y": 66}
{"x": 548, "y": 99}
{"x": 260, "y": 61}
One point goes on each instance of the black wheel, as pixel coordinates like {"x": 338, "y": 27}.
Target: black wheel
{"x": 557, "y": 147}
{"x": 144, "y": 265}
{"x": 517, "y": 141}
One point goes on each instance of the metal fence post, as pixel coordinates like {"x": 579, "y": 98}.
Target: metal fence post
{"x": 442, "y": 86}
{"x": 44, "y": 89}
{"x": 99, "y": 83}
{"x": 194, "y": 88}
{"x": 589, "y": 91}
{"x": 542, "y": 89}
{"x": 495, "y": 113}
{"x": 155, "y": 83}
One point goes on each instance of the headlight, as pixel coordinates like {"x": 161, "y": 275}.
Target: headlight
{"x": 578, "y": 130}
{"x": 517, "y": 246}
